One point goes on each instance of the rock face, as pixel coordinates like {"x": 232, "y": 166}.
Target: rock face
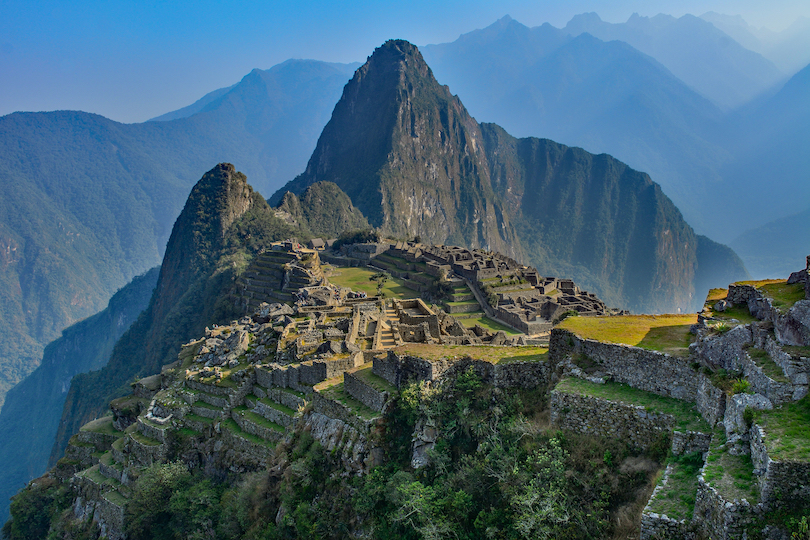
{"x": 324, "y": 210}
{"x": 181, "y": 304}
{"x": 409, "y": 156}
{"x": 413, "y": 160}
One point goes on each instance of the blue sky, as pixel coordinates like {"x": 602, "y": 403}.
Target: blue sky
{"x": 131, "y": 60}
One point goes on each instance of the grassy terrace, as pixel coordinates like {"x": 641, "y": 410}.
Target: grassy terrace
{"x": 277, "y": 406}
{"x": 733, "y": 476}
{"x": 664, "y": 333}
{"x": 102, "y": 425}
{"x": 95, "y": 475}
{"x": 778, "y": 290}
{"x": 493, "y": 355}
{"x": 115, "y": 497}
{"x": 143, "y": 439}
{"x": 769, "y": 367}
{"x": 374, "y": 381}
{"x": 357, "y": 279}
{"x": 333, "y": 389}
{"x": 489, "y": 324}
{"x": 196, "y": 418}
{"x": 686, "y": 416}
{"x": 677, "y": 498}
{"x": 257, "y": 419}
{"x": 231, "y": 425}
{"x": 787, "y": 430}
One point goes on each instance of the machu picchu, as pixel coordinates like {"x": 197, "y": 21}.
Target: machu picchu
{"x": 723, "y": 414}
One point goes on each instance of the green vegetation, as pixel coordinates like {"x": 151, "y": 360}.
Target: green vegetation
{"x": 102, "y": 425}
{"x": 359, "y": 279}
{"x": 769, "y": 367}
{"x": 490, "y": 324}
{"x": 324, "y": 210}
{"x": 374, "y": 381}
{"x": 787, "y": 430}
{"x": 686, "y": 416}
{"x": 486, "y": 353}
{"x": 664, "y": 333}
{"x": 677, "y": 498}
{"x": 338, "y": 393}
{"x": 733, "y": 476}
{"x": 783, "y": 295}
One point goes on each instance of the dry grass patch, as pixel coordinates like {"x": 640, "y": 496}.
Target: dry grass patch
{"x": 485, "y": 353}
{"x": 665, "y": 333}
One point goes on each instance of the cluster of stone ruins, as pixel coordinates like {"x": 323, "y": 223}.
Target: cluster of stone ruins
{"x": 526, "y": 301}
{"x": 330, "y": 364}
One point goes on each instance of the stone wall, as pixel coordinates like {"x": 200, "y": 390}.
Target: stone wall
{"x": 718, "y": 518}
{"x": 398, "y": 370}
{"x": 711, "y": 401}
{"x": 248, "y": 453}
{"x": 689, "y": 442}
{"x": 343, "y": 441}
{"x": 363, "y": 392}
{"x": 248, "y": 426}
{"x": 661, "y": 527}
{"x": 652, "y": 371}
{"x": 335, "y": 409}
{"x": 725, "y": 350}
{"x": 594, "y": 416}
{"x": 783, "y": 484}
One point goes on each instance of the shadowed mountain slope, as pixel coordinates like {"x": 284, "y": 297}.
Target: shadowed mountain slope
{"x": 89, "y": 203}
{"x": 31, "y": 413}
{"x": 412, "y": 159}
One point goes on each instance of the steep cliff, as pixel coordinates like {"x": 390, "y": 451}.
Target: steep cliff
{"x": 323, "y": 210}
{"x": 414, "y": 162}
{"x": 32, "y": 409}
{"x": 409, "y": 156}
{"x": 222, "y": 223}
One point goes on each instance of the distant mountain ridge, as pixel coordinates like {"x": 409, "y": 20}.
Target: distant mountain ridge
{"x": 89, "y": 203}
{"x": 694, "y": 50}
{"x": 30, "y": 416}
{"x": 412, "y": 159}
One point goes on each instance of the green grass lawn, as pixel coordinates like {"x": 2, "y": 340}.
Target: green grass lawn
{"x": 787, "y": 430}
{"x": 357, "y": 279}
{"x": 784, "y": 296}
{"x": 490, "y": 324}
{"x": 486, "y": 353}
{"x": 374, "y": 381}
{"x": 664, "y": 333}
{"x": 102, "y": 425}
{"x": 231, "y": 425}
{"x": 733, "y": 476}
{"x": 769, "y": 367}
{"x": 686, "y": 416}
{"x": 338, "y": 393}
{"x": 677, "y": 498}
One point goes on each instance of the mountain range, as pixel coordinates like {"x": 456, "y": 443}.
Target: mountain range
{"x": 89, "y": 203}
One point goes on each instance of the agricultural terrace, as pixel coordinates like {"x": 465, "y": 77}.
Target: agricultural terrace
{"x": 489, "y": 324}
{"x": 782, "y": 294}
{"x": 738, "y": 313}
{"x": 358, "y": 279}
{"x": 494, "y": 355}
{"x": 787, "y": 430}
{"x": 686, "y": 415}
{"x": 664, "y": 333}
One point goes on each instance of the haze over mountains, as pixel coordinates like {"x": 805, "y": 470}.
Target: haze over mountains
{"x": 89, "y": 203}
